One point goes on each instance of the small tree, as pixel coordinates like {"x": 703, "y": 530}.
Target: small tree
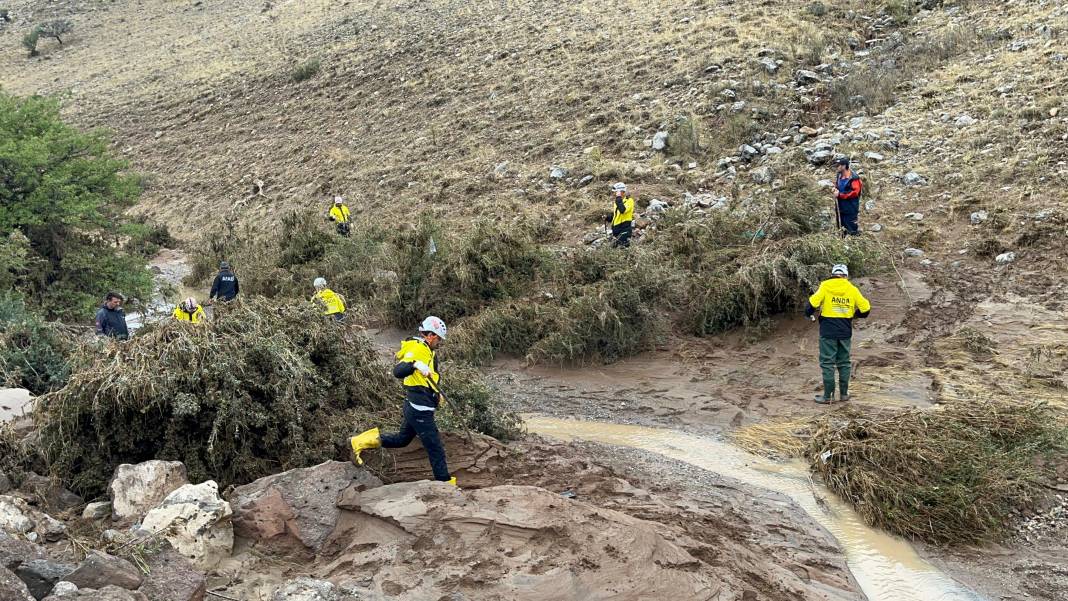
{"x": 29, "y": 41}
{"x": 55, "y": 29}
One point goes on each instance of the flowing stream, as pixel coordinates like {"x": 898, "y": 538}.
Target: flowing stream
{"x": 886, "y": 567}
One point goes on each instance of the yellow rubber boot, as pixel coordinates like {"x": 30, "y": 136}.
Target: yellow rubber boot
{"x": 361, "y": 442}
{"x": 452, "y": 481}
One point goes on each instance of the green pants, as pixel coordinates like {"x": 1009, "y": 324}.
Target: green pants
{"x": 835, "y": 353}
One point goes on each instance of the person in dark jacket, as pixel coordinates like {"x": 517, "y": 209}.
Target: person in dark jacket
{"x": 838, "y": 301}
{"x": 225, "y": 287}
{"x": 110, "y": 319}
{"x": 847, "y": 189}
{"x": 417, "y": 367}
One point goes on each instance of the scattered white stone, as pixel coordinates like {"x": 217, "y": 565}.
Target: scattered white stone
{"x": 64, "y": 589}
{"x": 660, "y": 140}
{"x": 762, "y": 175}
{"x": 913, "y": 252}
{"x": 876, "y": 228}
{"x": 557, "y": 173}
{"x": 914, "y": 179}
{"x": 1005, "y": 258}
{"x": 656, "y": 207}
{"x": 914, "y": 216}
{"x": 873, "y": 156}
{"x": 978, "y": 217}
{"x": 97, "y": 511}
{"x": 965, "y": 121}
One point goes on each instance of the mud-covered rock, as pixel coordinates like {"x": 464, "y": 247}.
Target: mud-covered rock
{"x": 196, "y": 521}
{"x": 471, "y": 459}
{"x": 12, "y": 588}
{"x": 537, "y": 533}
{"x": 40, "y": 575}
{"x": 135, "y": 489}
{"x": 99, "y": 569}
{"x": 297, "y": 509}
{"x": 172, "y": 577}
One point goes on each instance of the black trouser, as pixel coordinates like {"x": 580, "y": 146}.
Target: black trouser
{"x": 421, "y": 424}
{"x": 849, "y": 223}
{"x": 343, "y": 229}
{"x": 622, "y": 233}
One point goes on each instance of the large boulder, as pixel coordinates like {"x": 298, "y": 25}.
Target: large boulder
{"x": 40, "y": 575}
{"x": 12, "y": 588}
{"x": 135, "y": 489}
{"x": 172, "y": 577}
{"x": 197, "y": 523}
{"x": 99, "y": 569}
{"x": 14, "y": 551}
{"x": 296, "y": 510}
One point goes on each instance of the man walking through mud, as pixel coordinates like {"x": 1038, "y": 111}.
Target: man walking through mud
{"x": 839, "y": 301}
{"x": 417, "y": 367}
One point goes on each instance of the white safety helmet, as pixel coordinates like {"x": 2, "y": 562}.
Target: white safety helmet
{"x": 619, "y": 187}
{"x": 338, "y": 200}
{"x": 189, "y": 305}
{"x": 840, "y": 269}
{"x": 434, "y": 325}
{"x": 319, "y": 283}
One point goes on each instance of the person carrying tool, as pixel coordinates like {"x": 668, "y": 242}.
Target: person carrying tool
{"x": 417, "y": 367}
{"x": 225, "y": 287}
{"x": 839, "y": 301}
{"x": 339, "y": 213}
{"x": 332, "y": 303}
{"x": 110, "y": 318}
{"x": 189, "y": 310}
{"x": 847, "y": 189}
{"x": 622, "y": 215}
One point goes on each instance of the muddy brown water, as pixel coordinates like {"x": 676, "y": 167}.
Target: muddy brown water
{"x": 886, "y": 567}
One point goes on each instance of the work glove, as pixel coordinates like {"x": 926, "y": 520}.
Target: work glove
{"x": 422, "y": 368}
{"x": 812, "y": 318}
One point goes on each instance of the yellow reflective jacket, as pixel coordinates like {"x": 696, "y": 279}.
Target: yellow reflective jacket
{"x": 340, "y": 214}
{"x": 838, "y": 301}
{"x": 196, "y": 316}
{"x": 412, "y": 350}
{"x": 628, "y": 211}
{"x": 330, "y": 301}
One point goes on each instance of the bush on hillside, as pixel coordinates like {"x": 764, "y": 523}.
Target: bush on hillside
{"x": 34, "y": 354}
{"x": 29, "y": 41}
{"x": 56, "y": 28}
{"x": 70, "y": 195}
{"x": 262, "y": 388}
{"x": 306, "y": 70}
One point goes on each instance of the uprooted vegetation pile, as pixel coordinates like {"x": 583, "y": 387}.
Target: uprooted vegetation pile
{"x": 956, "y": 474}
{"x": 510, "y": 292}
{"x": 263, "y": 388}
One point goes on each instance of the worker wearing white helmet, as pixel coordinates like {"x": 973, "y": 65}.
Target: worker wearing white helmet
{"x": 340, "y": 213}
{"x": 838, "y": 302}
{"x": 417, "y": 367}
{"x": 332, "y": 303}
{"x": 622, "y": 215}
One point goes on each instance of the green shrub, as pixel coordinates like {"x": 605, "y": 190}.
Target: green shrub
{"x": 29, "y": 41}
{"x": 306, "y": 70}
{"x": 71, "y": 193}
{"x": 56, "y": 29}
{"x": 34, "y": 354}
{"x": 146, "y": 239}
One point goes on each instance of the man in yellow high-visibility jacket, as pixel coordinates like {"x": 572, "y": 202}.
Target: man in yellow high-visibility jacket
{"x": 838, "y": 301}
{"x": 418, "y": 368}
{"x": 622, "y": 215}
{"x": 339, "y": 213}
{"x": 332, "y": 303}
{"x": 189, "y": 310}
